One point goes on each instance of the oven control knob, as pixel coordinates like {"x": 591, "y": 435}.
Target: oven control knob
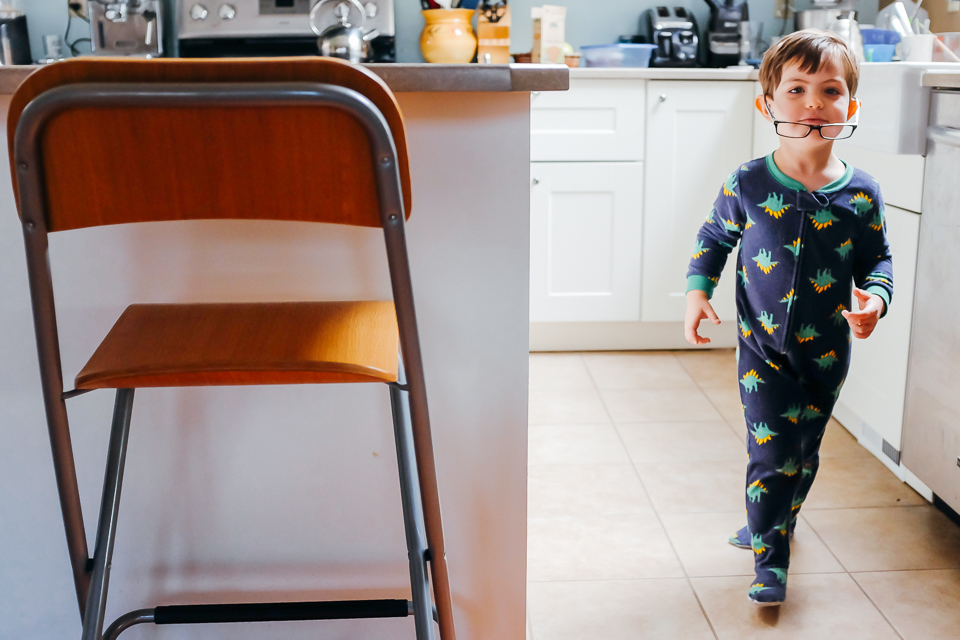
{"x": 198, "y": 12}
{"x": 371, "y": 9}
{"x": 227, "y": 12}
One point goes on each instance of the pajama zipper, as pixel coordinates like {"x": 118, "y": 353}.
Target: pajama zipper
{"x": 796, "y": 284}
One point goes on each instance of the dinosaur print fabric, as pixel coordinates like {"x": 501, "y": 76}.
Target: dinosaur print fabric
{"x": 799, "y": 255}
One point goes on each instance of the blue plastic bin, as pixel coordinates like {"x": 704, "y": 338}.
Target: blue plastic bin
{"x": 878, "y": 52}
{"x": 617, "y": 55}
{"x": 879, "y": 36}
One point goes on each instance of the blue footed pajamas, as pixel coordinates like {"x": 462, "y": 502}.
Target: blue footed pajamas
{"x": 799, "y": 253}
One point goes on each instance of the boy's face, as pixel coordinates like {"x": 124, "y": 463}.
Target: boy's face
{"x": 810, "y": 98}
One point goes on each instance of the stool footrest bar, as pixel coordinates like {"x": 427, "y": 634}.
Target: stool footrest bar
{"x": 280, "y": 611}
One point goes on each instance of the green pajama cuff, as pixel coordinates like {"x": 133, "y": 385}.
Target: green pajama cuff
{"x": 701, "y": 283}
{"x": 884, "y": 294}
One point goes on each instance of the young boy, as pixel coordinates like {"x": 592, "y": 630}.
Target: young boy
{"x": 808, "y": 224}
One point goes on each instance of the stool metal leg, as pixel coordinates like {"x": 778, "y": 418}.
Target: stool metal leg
{"x": 109, "y": 505}
{"x": 417, "y": 395}
{"x": 412, "y": 510}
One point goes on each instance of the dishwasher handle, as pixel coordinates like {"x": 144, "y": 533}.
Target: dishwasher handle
{"x": 944, "y": 135}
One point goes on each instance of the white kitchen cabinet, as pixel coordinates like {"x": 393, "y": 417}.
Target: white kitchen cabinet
{"x": 596, "y": 120}
{"x": 585, "y": 241}
{"x": 697, "y": 133}
{"x": 871, "y": 403}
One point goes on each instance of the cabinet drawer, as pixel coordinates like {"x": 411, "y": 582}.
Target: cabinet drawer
{"x": 596, "y": 120}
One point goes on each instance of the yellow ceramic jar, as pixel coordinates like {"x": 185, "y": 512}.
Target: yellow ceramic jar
{"x": 447, "y": 36}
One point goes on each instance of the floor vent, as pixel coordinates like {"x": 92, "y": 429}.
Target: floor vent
{"x": 891, "y": 452}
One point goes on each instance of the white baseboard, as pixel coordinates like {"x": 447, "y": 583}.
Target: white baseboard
{"x": 917, "y": 484}
{"x": 854, "y": 424}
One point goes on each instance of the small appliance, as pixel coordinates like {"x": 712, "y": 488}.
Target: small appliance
{"x": 14, "y": 40}
{"x": 674, "y": 32}
{"x": 126, "y": 28}
{"x": 723, "y": 31}
{"x": 247, "y": 28}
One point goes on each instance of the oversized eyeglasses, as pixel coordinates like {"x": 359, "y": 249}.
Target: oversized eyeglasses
{"x": 834, "y": 131}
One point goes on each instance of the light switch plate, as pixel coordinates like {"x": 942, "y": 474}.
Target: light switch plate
{"x": 953, "y": 6}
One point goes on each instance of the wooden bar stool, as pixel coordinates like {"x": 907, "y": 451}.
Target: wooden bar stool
{"x": 176, "y": 121}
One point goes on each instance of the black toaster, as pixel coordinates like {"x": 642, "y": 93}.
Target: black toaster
{"x": 674, "y": 32}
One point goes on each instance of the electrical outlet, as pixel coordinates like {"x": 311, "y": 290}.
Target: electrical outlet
{"x": 79, "y": 8}
{"x": 782, "y": 9}
{"x": 953, "y": 6}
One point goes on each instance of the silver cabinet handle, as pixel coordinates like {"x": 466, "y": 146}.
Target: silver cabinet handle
{"x": 536, "y": 181}
{"x": 663, "y": 97}
{"x": 944, "y": 135}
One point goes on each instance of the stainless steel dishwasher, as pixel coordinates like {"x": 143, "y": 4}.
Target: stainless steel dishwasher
{"x": 931, "y": 436}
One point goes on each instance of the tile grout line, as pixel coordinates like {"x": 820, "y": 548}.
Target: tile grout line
{"x": 652, "y": 505}
{"x": 850, "y": 575}
{"x": 875, "y": 606}
{"x": 712, "y": 404}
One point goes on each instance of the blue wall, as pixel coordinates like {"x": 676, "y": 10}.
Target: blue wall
{"x": 588, "y": 21}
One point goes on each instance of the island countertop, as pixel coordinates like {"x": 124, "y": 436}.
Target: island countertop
{"x": 403, "y": 77}
{"x": 422, "y": 77}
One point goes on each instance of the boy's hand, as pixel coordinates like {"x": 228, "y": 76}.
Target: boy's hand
{"x": 863, "y": 322}
{"x": 698, "y": 308}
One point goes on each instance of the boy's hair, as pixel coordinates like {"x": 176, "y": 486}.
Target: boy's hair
{"x": 808, "y": 48}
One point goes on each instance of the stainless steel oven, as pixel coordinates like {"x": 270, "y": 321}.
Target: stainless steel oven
{"x": 246, "y": 28}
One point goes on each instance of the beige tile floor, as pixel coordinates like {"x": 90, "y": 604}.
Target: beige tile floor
{"x": 636, "y": 477}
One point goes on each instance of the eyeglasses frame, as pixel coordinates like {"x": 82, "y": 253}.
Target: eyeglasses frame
{"x": 818, "y": 127}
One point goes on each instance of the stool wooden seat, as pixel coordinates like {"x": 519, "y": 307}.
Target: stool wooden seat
{"x": 108, "y": 142}
{"x": 186, "y": 345}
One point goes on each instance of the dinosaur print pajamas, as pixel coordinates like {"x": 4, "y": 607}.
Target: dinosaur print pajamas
{"x": 799, "y": 253}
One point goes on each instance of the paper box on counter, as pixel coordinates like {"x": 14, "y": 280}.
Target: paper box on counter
{"x": 549, "y": 26}
{"x": 493, "y": 39}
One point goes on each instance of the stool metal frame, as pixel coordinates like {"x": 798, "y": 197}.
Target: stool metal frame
{"x": 422, "y": 521}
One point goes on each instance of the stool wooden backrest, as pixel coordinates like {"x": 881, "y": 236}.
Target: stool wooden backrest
{"x": 112, "y": 166}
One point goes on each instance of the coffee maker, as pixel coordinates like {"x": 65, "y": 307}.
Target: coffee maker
{"x": 723, "y": 31}
{"x": 126, "y": 28}
{"x": 674, "y": 32}
{"x": 14, "y": 40}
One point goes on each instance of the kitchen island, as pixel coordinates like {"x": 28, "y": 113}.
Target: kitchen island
{"x": 290, "y": 492}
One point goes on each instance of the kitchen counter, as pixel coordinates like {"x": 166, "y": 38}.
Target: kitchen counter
{"x": 486, "y": 78}
{"x": 664, "y": 73}
{"x": 417, "y": 77}
{"x": 943, "y": 80}
{"x": 290, "y": 492}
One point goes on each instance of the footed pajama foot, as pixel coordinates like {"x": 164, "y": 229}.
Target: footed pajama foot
{"x": 770, "y": 587}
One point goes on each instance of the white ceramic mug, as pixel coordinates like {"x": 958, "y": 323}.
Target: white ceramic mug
{"x": 917, "y": 48}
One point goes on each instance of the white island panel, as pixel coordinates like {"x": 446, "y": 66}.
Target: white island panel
{"x": 288, "y": 492}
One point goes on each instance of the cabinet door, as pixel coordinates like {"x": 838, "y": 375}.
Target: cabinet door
{"x": 585, "y": 234}
{"x": 697, "y": 133}
{"x": 876, "y": 383}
